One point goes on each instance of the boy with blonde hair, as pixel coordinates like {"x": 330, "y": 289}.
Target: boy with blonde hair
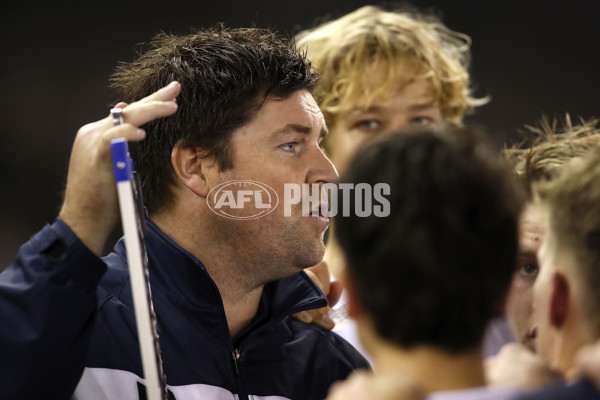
{"x": 382, "y": 70}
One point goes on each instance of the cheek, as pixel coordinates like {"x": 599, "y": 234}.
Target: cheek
{"x": 521, "y": 291}
{"x": 519, "y": 306}
{"x": 543, "y": 340}
{"x": 539, "y": 302}
{"x": 230, "y": 175}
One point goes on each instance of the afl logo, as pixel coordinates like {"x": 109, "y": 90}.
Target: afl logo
{"x": 241, "y": 199}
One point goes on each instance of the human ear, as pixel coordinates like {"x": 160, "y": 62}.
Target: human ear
{"x": 559, "y": 300}
{"x": 193, "y": 170}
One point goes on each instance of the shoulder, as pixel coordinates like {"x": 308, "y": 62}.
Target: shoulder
{"x": 324, "y": 344}
{"x": 304, "y": 356}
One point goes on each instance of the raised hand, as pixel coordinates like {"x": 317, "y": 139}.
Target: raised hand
{"x": 90, "y": 206}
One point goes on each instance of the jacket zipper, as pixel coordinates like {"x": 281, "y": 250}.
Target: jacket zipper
{"x": 236, "y": 355}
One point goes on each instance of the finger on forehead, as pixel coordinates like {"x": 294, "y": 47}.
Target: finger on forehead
{"x": 166, "y": 93}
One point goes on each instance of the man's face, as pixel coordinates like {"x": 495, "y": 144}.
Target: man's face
{"x": 413, "y": 105}
{"x": 280, "y": 145}
{"x": 520, "y": 299}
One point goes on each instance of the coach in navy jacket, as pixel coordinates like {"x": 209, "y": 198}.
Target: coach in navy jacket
{"x": 197, "y": 349}
{"x": 224, "y": 282}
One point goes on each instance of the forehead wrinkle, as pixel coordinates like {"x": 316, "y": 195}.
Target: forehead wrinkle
{"x": 299, "y": 128}
{"x": 293, "y": 127}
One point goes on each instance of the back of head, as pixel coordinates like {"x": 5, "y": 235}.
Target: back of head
{"x": 396, "y": 46}
{"x": 436, "y": 270}
{"x": 550, "y": 147}
{"x": 225, "y": 76}
{"x": 573, "y": 204}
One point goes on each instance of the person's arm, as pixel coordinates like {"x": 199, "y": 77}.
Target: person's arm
{"x": 90, "y": 207}
{"x": 48, "y": 294}
{"x": 47, "y": 300}
{"x": 516, "y": 366}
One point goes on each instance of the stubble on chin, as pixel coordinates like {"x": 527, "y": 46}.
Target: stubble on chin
{"x": 303, "y": 251}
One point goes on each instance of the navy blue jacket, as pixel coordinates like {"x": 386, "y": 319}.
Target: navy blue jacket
{"x": 59, "y": 318}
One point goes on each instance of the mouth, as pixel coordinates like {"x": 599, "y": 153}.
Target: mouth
{"x": 319, "y": 213}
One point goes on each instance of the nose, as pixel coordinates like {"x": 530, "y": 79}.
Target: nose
{"x": 321, "y": 169}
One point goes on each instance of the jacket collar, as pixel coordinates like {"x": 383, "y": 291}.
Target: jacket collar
{"x": 183, "y": 277}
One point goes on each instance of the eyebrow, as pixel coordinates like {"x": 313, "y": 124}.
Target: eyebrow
{"x": 422, "y": 106}
{"x": 375, "y": 109}
{"x": 300, "y": 129}
{"x": 527, "y": 254}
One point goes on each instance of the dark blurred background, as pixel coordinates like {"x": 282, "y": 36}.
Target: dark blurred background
{"x": 532, "y": 57}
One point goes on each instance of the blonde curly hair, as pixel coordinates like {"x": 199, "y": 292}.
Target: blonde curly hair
{"x": 392, "y": 48}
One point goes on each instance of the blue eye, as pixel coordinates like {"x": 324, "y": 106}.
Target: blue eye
{"x": 421, "y": 121}
{"x": 289, "y": 147}
{"x": 528, "y": 269}
{"x": 368, "y": 124}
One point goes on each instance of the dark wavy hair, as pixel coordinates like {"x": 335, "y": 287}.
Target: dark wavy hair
{"x": 225, "y": 75}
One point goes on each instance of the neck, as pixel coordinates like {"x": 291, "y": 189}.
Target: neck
{"x": 334, "y": 256}
{"x": 568, "y": 342}
{"x": 451, "y": 371}
{"x": 240, "y": 295}
{"x": 432, "y": 369}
